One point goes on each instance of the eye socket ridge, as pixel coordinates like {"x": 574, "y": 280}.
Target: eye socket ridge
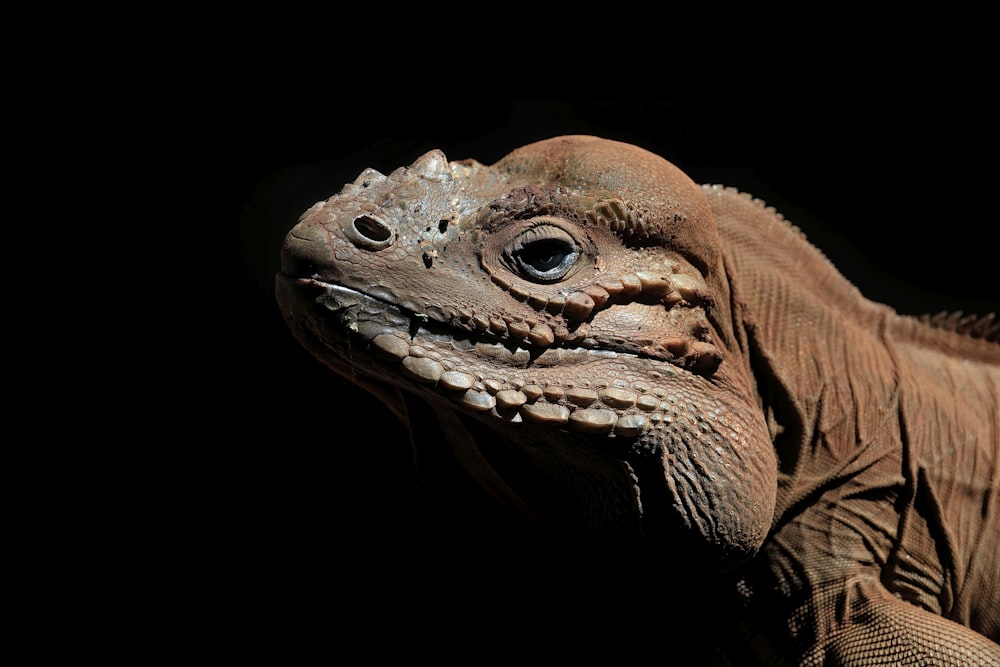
{"x": 544, "y": 254}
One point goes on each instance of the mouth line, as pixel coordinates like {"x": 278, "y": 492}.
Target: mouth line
{"x": 370, "y": 316}
{"x": 425, "y": 357}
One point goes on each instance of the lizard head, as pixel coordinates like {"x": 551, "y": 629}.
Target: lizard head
{"x": 564, "y": 313}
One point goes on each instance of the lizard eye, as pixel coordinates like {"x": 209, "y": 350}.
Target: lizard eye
{"x": 544, "y": 254}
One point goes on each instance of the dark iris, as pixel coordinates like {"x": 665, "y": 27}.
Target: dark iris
{"x": 546, "y": 260}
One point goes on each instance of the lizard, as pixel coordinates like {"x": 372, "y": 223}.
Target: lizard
{"x": 616, "y": 351}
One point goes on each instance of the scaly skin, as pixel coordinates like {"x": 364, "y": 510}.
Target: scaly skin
{"x": 616, "y": 351}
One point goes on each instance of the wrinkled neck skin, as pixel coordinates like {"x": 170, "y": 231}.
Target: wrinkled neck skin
{"x": 617, "y": 401}
{"x": 704, "y": 476}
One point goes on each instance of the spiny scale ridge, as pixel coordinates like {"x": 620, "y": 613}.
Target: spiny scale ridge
{"x": 986, "y": 327}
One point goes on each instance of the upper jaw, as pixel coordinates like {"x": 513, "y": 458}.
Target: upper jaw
{"x": 483, "y": 376}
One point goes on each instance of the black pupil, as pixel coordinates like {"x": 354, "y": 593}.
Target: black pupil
{"x": 544, "y": 255}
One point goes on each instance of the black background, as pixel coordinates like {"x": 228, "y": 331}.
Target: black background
{"x": 894, "y": 187}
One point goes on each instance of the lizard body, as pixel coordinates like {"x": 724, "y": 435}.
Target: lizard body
{"x": 616, "y": 351}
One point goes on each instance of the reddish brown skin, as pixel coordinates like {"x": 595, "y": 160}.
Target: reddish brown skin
{"x": 692, "y": 373}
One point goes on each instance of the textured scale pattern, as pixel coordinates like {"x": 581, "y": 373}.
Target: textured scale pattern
{"x": 617, "y": 352}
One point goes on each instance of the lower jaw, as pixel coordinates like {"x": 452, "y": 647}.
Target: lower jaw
{"x": 574, "y": 484}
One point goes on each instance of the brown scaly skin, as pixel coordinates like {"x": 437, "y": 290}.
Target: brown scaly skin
{"x": 619, "y": 352}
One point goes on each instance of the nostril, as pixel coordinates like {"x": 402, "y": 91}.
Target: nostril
{"x": 371, "y": 232}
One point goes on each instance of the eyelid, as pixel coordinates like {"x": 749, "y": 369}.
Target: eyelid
{"x": 498, "y": 249}
{"x": 543, "y": 232}
{"x": 555, "y": 239}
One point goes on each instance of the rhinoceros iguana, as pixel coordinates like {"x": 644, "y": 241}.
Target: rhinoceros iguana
{"x": 618, "y": 352}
